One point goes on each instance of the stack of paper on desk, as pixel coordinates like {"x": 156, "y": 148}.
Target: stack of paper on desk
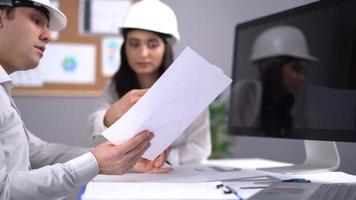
{"x": 157, "y": 191}
{"x": 187, "y": 87}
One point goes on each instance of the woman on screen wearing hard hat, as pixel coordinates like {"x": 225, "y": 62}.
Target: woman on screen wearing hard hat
{"x": 149, "y": 30}
{"x": 281, "y": 54}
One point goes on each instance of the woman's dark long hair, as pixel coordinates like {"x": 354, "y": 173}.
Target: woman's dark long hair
{"x": 277, "y": 103}
{"x": 125, "y": 78}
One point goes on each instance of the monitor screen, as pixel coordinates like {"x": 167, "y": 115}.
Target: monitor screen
{"x": 323, "y": 107}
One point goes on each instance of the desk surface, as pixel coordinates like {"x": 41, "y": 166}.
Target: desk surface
{"x": 247, "y": 163}
{"x": 253, "y": 163}
{"x": 202, "y": 173}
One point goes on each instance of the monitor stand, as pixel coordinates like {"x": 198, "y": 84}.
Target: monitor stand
{"x": 321, "y": 156}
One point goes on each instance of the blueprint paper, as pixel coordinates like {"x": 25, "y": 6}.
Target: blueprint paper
{"x": 187, "y": 87}
{"x": 158, "y": 191}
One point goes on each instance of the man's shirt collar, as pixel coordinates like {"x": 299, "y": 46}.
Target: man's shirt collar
{"x": 5, "y": 79}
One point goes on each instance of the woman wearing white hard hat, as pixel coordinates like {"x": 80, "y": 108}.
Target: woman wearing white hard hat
{"x": 149, "y": 31}
{"x": 281, "y": 54}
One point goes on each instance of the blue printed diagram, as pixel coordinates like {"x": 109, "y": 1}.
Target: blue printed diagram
{"x": 69, "y": 64}
{"x": 113, "y": 48}
{"x": 111, "y": 55}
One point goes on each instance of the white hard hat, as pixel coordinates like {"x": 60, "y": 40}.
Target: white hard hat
{"x": 281, "y": 41}
{"x": 152, "y": 15}
{"x": 57, "y": 20}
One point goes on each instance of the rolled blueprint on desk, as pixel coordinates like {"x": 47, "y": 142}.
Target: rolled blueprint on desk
{"x": 186, "y": 88}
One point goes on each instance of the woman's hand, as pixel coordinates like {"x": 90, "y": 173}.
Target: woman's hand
{"x": 161, "y": 159}
{"x": 155, "y": 166}
{"x": 147, "y": 166}
{"x": 121, "y": 106}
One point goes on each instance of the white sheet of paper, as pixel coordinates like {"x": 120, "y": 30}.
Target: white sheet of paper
{"x": 105, "y": 190}
{"x": 187, "y": 87}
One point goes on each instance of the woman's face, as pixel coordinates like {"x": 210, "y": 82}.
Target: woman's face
{"x": 145, "y": 51}
{"x": 293, "y": 74}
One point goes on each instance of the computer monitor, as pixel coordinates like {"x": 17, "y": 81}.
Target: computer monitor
{"x": 324, "y": 109}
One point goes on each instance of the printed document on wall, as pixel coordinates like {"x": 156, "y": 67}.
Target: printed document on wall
{"x": 69, "y": 63}
{"x": 107, "y": 15}
{"x": 110, "y": 55}
{"x": 183, "y": 92}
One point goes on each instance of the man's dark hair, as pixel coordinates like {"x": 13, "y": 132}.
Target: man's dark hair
{"x": 9, "y": 11}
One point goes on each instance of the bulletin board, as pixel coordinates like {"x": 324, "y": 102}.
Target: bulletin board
{"x": 71, "y": 34}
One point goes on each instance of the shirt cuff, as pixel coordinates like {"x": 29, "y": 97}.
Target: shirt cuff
{"x": 173, "y": 157}
{"x": 99, "y": 126}
{"x": 85, "y": 166}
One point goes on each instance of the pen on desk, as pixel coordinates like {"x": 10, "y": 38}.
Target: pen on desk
{"x": 219, "y": 186}
{"x": 253, "y": 187}
{"x": 230, "y": 190}
{"x": 226, "y": 189}
{"x": 296, "y": 180}
{"x": 293, "y": 180}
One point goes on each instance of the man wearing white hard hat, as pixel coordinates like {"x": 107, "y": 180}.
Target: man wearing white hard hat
{"x": 150, "y": 30}
{"x": 24, "y": 34}
{"x": 281, "y": 54}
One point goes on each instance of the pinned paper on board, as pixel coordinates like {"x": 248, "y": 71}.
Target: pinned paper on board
{"x": 110, "y": 59}
{"x": 95, "y": 12}
{"x": 68, "y": 63}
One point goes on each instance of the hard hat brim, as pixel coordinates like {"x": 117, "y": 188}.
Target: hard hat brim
{"x": 306, "y": 57}
{"x": 152, "y": 16}
{"x": 57, "y": 20}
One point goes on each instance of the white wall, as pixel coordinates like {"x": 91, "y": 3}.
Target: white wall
{"x": 208, "y": 27}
